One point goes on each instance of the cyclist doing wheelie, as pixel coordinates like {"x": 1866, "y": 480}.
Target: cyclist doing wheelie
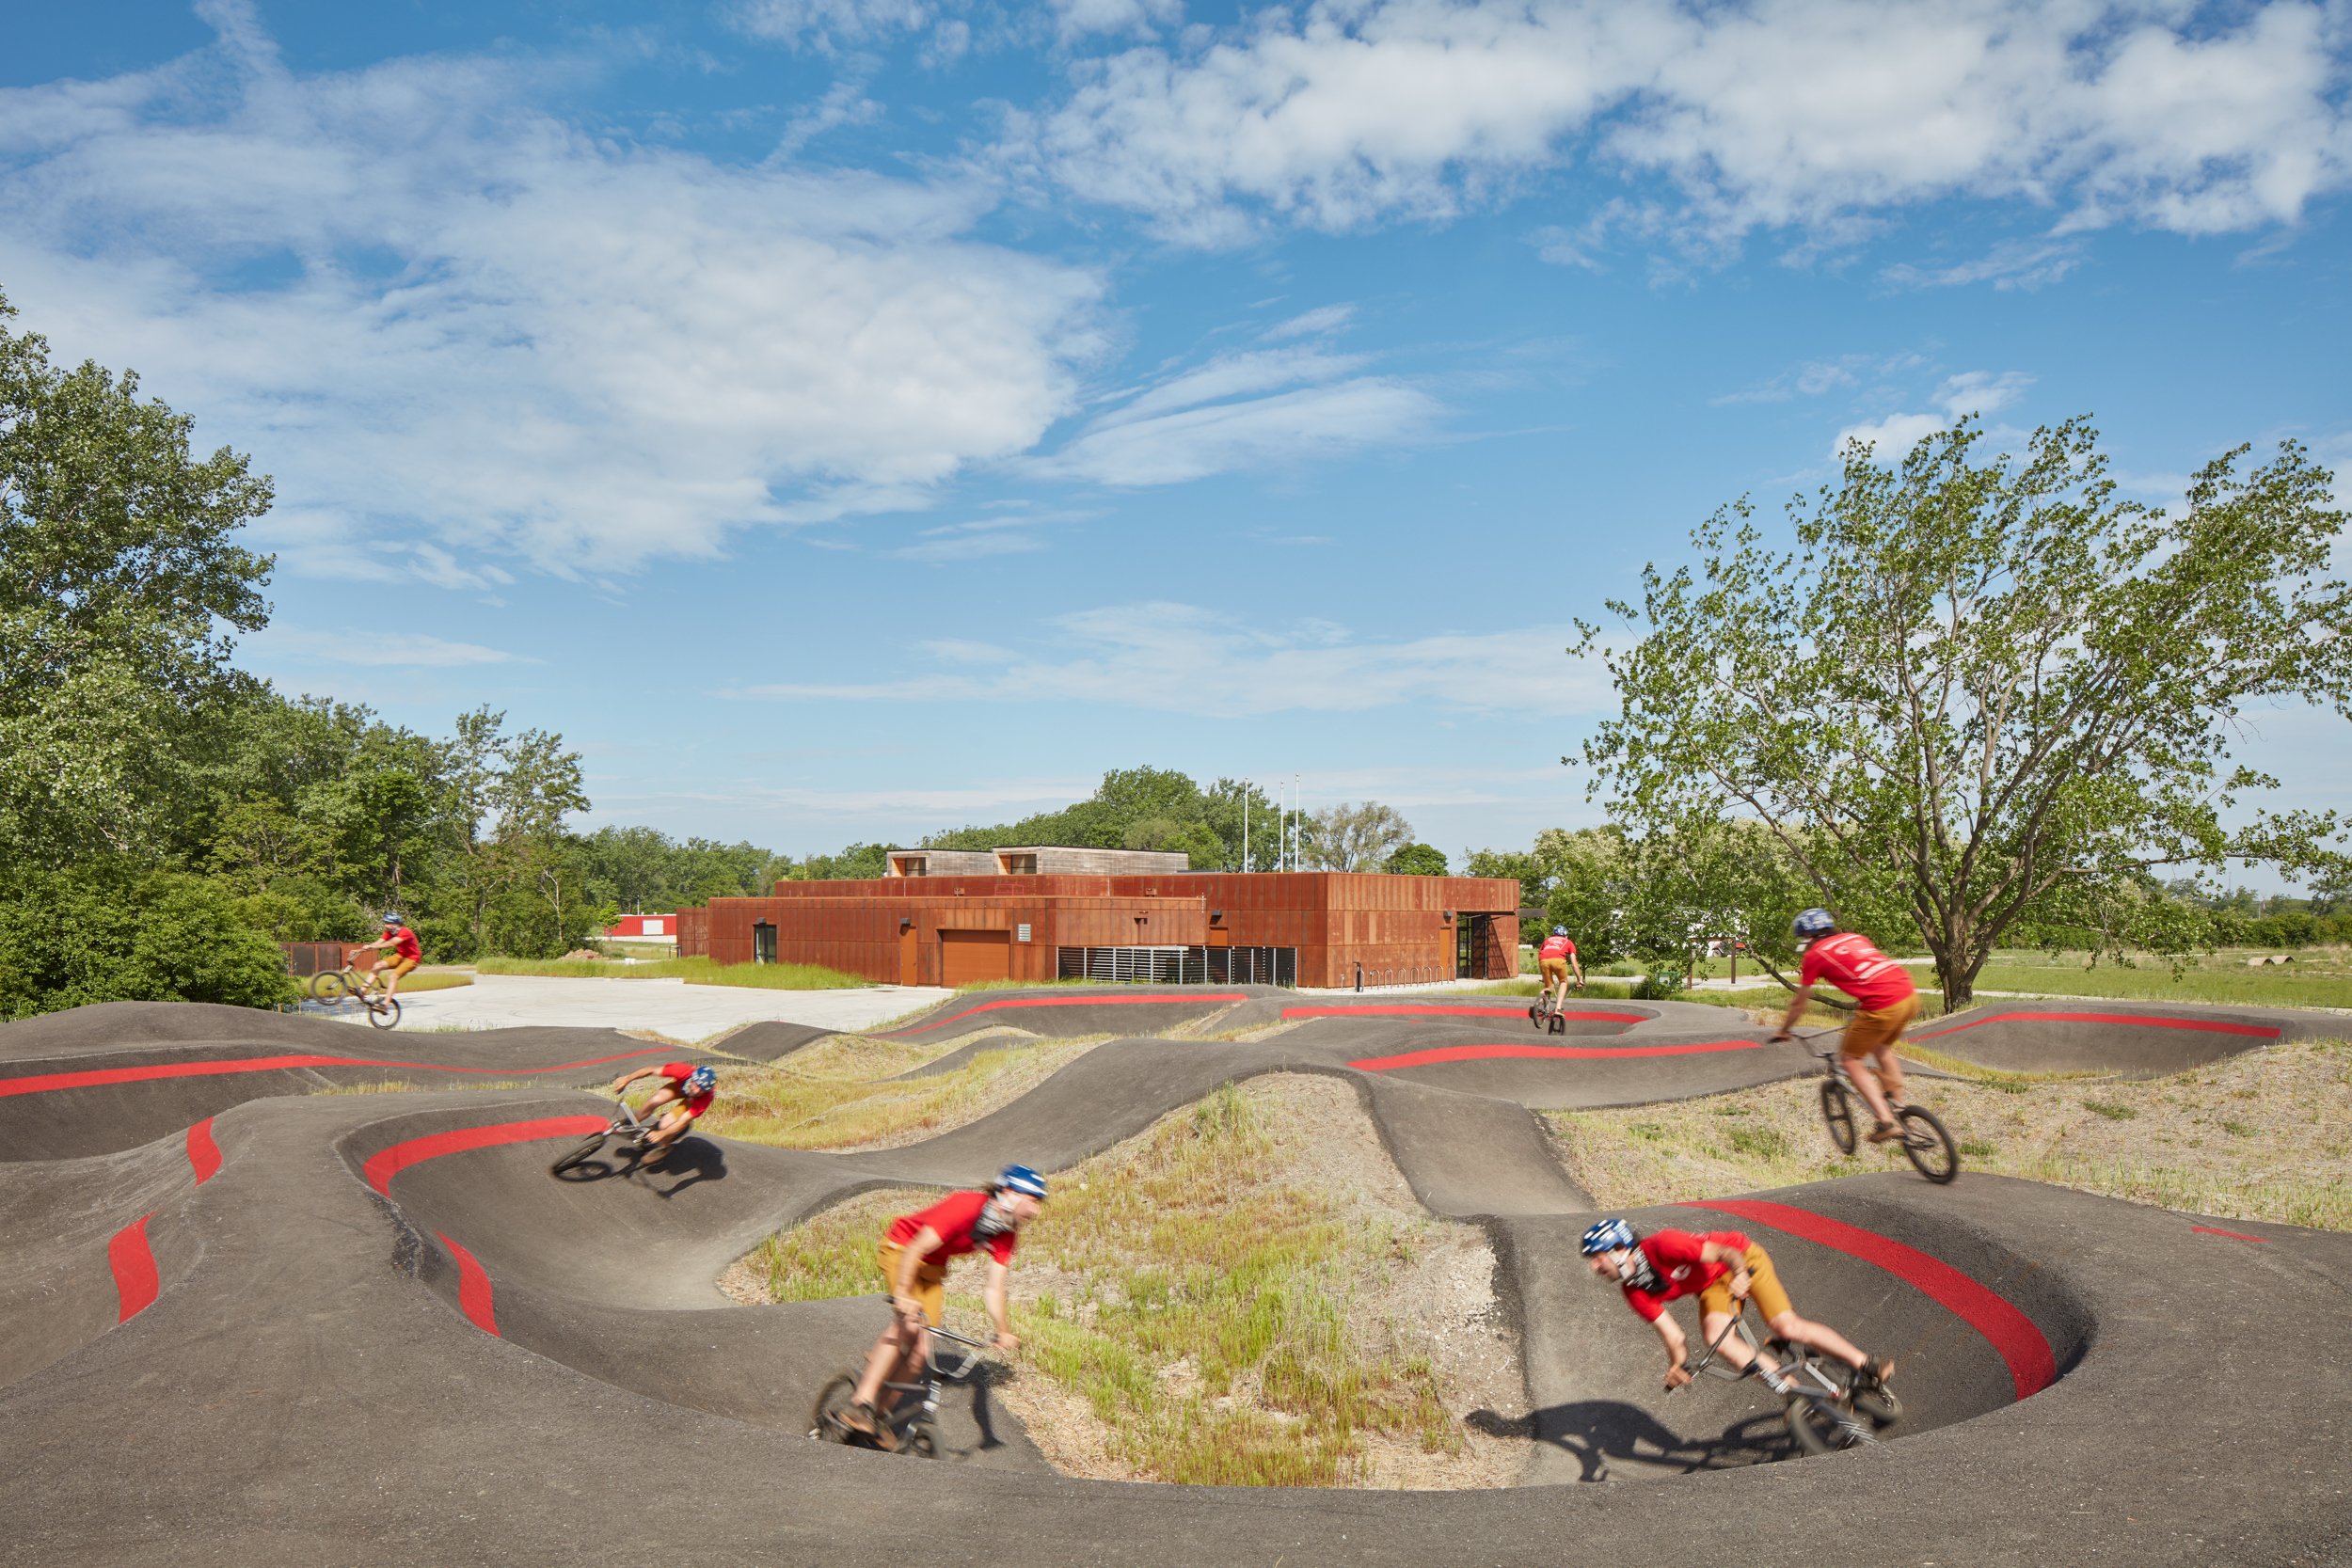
{"x": 1554, "y": 960}
{"x": 1719, "y": 1267}
{"x": 404, "y": 952}
{"x": 1885, "y": 1002}
{"x": 685, "y": 1094}
{"x": 914, "y": 1259}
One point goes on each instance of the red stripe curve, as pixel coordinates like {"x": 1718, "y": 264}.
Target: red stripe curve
{"x": 1075, "y": 1002}
{"x": 474, "y": 1286}
{"x": 1552, "y": 1053}
{"x": 47, "y": 1082}
{"x": 2011, "y": 1334}
{"x": 133, "y": 1263}
{"x": 203, "y": 1154}
{"x": 381, "y": 1167}
{"x": 2147, "y": 1021}
{"x": 2233, "y": 1235}
{"x": 1401, "y": 1009}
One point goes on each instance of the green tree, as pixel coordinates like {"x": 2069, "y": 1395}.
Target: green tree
{"x": 1534, "y": 883}
{"x": 1355, "y": 837}
{"x": 1974, "y": 689}
{"x": 98, "y": 933}
{"x": 119, "y": 585}
{"x": 1418, "y": 860}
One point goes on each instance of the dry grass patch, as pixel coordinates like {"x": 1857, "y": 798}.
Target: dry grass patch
{"x": 1246, "y": 1295}
{"x": 835, "y": 1094}
{"x": 2259, "y": 1136}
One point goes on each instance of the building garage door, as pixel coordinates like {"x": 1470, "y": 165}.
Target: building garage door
{"x": 968, "y": 956}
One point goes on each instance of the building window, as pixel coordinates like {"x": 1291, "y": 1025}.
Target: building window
{"x": 1020, "y": 866}
{"x": 912, "y": 865}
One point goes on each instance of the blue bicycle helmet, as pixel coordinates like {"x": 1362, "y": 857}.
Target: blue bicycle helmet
{"x": 1608, "y": 1235}
{"x": 1559, "y": 931}
{"x": 701, "y": 1081}
{"x": 1020, "y": 1178}
{"x": 1813, "y": 923}
{"x": 391, "y": 917}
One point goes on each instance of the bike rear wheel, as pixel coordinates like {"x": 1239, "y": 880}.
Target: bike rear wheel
{"x": 824, "y": 1418}
{"x": 329, "y": 986}
{"x": 1811, "y": 1423}
{"x": 384, "y": 1011}
{"x": 1928, "y": 1146}
{"x": 1837, "y": 1110}
{"x": 585, "y": 1151}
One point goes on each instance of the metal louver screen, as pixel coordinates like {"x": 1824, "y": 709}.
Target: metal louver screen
{"x": 1181, "y": 966}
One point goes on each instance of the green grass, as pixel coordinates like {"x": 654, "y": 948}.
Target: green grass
{"x": 694, "y": 972}
{"x": 2317, "y": 980}
{"x": 837, "y": 1094}
{"x": 2110, "y": 1110}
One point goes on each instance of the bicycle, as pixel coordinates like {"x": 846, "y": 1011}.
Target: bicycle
{"x": 335, "y": 985}
{"x": 1925, "y": 1142}
{"x": 911, "y": 1422}
{"x": 1819, "y": 1402}
{"x": 1549, "y": 1008}
{"x": 624, "y": 1125}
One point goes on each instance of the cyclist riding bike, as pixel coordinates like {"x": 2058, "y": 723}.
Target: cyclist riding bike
{"x": 1720, "y": 1267}
{"x": 1885, "y": 1002}
{"x": 1554, "y": 960}
{"x": 687, "y": 1094}
{"x": 914, "y": 1259}
{"x": 405, "y": 950}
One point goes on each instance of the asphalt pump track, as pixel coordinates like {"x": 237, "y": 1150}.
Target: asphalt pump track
{"x": 248, "y": 1322}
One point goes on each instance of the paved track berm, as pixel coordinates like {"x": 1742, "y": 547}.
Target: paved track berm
{"x": 250, "y": 1323}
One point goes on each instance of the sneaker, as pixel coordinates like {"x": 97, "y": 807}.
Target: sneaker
{"x": 862, "y": 1420}
{"x": 1885, "y": 1131}
{"x": 1873, "y": 1374}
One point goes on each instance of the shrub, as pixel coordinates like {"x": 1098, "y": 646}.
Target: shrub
{"x": 72, "y": 938}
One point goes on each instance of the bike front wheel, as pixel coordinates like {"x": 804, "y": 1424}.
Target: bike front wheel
{"x": 1837, "y": 1110}
{"x": 1879, "y": 1406}
{"x": 580, "y": 1155}
{"x": 833, "y": 1402}
{"x": 1928, "y": 1146}
{"x": 920, "y": 1443}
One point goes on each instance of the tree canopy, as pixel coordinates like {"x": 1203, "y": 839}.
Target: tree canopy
{"x": 1982, "y": 694}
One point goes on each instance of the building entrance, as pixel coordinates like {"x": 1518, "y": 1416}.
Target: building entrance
{"x": 763, "y": 944}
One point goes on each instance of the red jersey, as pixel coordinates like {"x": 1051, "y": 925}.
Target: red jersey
{"x": 953, "y": 1217}
{"x": 677, "y": 1072}
{"x": 1847, "y": 962}
{"x": 405, "y": 945}
{"x": 1674, "y": 1256}
{"x": 1555, "y": 947}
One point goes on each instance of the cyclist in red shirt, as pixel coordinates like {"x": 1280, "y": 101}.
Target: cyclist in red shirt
{"x": 404, "y": 951}
{"x": 1719, "y": 1267}
{"x": 1554, "y": 960}
{"x": 687, "y": 1090}
{"x": 913, "y": 1257}
{"x": 1885, "y": 1002}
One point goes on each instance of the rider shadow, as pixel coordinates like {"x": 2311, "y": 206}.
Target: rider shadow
{"x": 692, "y": 1160}
{"x": 1597, "y": 1430}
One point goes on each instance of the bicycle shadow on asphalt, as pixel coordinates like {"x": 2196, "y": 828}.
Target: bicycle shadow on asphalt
{"x": 690, "y": 1162}
{"x": 1598, "y": 1430}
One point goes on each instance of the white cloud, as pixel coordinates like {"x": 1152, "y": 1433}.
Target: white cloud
{"x": 1892, "y": 438}
{"x": 2026, "y": 264}
{"x": 408, "y": 650}
{"x": 1246, "y": 410}
{"x": 1186, "y": 659}
{"x": 1808, "y": 113}
{"x": 1981, "y": 391}
{"x": 1313, "y": 323}
{"x": 828, "y": 24}
{"x": 455, "y": 327}
{"x": 1076, "y": 18}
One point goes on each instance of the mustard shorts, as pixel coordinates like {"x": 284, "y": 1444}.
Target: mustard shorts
{"x": 1763, "y": 1288}
{"x": 931, "y": 1282}
{"x": 1878, "y": 1028}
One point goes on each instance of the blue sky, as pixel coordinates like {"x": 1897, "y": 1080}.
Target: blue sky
{"x": 843, "y": 419}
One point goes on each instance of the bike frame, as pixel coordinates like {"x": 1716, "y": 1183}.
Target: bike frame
{"x": 1799, "y": 1375}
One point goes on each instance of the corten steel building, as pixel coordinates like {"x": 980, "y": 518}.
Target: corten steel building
{"x": 971, "y": 918}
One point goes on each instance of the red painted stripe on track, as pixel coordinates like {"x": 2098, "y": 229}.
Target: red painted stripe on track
{"x": 2235, "y": 1236}
{"x": 383, "y": 1167}
{"x": 1075, "y": 1002}
{"x": 1399, "y": 1009}
{"x": 474, "y": 1286}
{"x": 47, "y": 1082}
{"x": 133, "y": 1263}
{"x": 203, "y": 1154}
{"x": 2011, "y": 1334}
{"x": 1553, "y": 1053}
{"x": 2149, "y": 1021}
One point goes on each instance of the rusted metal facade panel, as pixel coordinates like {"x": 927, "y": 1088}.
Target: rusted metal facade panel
{"x": 1390, "y": 926}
